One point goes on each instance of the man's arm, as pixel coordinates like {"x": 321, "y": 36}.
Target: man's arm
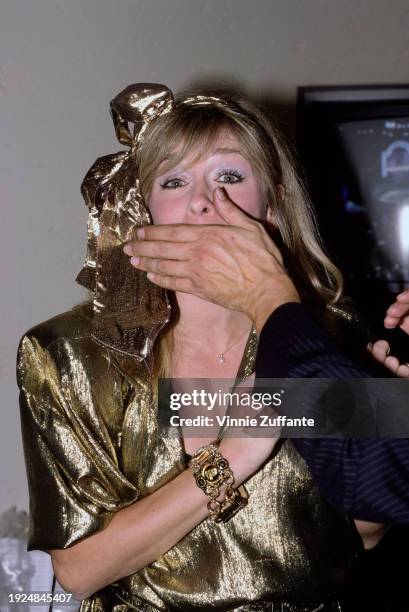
{"x": 368, "y": 478}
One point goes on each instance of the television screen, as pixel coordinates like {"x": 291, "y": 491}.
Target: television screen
{"x": 353, "y": 145}
{"x": 373, "y": 195}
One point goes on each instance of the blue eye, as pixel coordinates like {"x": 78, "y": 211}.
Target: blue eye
{"x": 172, "y": 183}
{"x": 230, "y": 176}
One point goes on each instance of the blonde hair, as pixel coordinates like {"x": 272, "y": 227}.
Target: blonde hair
{"x": 191, "y": 127}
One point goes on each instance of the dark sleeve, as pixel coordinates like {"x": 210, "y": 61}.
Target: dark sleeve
{"x": 368, "y": 478}
{"x": 291, "y": 345}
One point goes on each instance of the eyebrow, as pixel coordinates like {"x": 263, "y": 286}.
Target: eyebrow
{"x": 227, "y": 150}
{"x": 220, "y": 150}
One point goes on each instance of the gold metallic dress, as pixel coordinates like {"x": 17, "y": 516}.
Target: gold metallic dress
{"x": 91, "y": 442}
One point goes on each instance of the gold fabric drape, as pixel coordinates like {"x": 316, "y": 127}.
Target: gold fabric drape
{"x": 121, "y": 294}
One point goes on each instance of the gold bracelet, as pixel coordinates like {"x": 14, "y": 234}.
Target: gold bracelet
{"x": 211, "y": 470}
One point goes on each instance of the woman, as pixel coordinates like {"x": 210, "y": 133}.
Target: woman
{"x": 116, "y": 501}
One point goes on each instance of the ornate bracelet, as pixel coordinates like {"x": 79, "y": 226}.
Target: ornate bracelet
{"x": 211, "y": 471}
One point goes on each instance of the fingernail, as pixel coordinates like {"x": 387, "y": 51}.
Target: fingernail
{"x": 127, "y": 249}
{"x": 140, "y": 233}
{"x": 135, "y": 261}
{"x": 221, "y": 193}
{"x": 389, "y": 322}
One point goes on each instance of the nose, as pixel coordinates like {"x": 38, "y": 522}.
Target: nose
{"x": 201, "y": 207}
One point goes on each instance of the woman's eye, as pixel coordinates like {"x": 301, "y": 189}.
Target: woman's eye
{"x": 172, "y": 183}
{"x": 230, "y": 177}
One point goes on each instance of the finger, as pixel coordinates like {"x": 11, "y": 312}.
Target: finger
{"x": 392, "y": 363}
{"x": 398, "y": 316}
{"x": 391, "y": 322}
{"x": 403, "y": 297}
{"x": 160, "y": 249}
{"x": 234, "y": 215}
{"x": 168, "y": 267}
{"x": 172, "y": 283}
{"x": 403, "y": 371}
{"x": 229, "y": 211}
{"x": 175, "y": 232}
{"x": 398, "y": 309}
{"x": 380, "y": 350}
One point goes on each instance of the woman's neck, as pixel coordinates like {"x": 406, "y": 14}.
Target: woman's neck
{"x": 210, "y": 322}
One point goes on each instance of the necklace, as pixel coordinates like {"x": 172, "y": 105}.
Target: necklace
{"x": 222, "y": 356}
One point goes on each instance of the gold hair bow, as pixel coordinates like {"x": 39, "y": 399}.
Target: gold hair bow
{"x": 129, "y": 310}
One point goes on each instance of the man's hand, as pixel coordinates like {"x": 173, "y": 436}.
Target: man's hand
{"x": 397, "y": 315}
{"x": 236, "y": 265}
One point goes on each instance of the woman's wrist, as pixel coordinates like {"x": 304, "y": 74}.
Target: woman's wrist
{"x": 214, "y": 476}
{"x": 238, "y": 463}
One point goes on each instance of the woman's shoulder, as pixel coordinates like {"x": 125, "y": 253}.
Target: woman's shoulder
{"x": 68, "y": 326}
{"x": 73, "y": 323}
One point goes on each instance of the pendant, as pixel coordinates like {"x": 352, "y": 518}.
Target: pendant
{"x": 221, "y": 358}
